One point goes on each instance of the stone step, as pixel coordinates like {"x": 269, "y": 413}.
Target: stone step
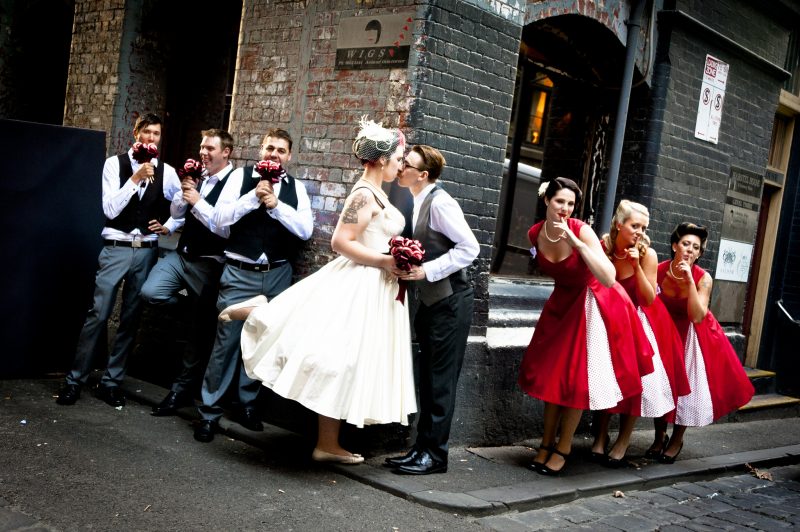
{"x": 763, "y": 381}
{"x": 509, "y": 317}
{"x": 770, "y": 400}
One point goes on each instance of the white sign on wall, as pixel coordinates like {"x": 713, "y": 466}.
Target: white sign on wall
{"x": 712, "y": 96}
{"x": 733, "y": 261}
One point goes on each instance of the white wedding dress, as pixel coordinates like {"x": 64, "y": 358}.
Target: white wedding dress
{"x": 337, "y": 341}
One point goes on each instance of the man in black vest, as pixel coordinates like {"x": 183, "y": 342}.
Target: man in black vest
{"x": 444, "y": 310}
{"x": 196, "y": 264}
{"x": 136, "y": 200}
{"x": 268, "y": 224}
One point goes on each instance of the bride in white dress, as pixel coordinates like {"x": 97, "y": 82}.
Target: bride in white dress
{"x": 338, "y": 342}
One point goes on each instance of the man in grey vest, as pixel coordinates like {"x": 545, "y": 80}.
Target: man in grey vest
{"x": 444, "y": 311}
{"x": 136, "y": 199}
{"x": 196, "y": 264}
{"x": 268, "y": 224}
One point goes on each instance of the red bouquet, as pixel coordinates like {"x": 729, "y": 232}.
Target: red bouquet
{"x": 144, "y": 153}
{"x": 270, "y": 171}
{"x": 192, "y": 169}
{"x": 406, "y": 253}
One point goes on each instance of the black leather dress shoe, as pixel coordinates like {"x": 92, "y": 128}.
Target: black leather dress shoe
{"x": 249, "y": 419}
{"x": 171, "y": 403}
{"x": 422, "y": 464}
{"x": 205, "y": 430}
{"x": 398, "y": 461}
{"x": 112, "y": 395}
{"x": 69, "y": 394}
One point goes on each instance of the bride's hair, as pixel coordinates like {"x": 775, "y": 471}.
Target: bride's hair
{"x": 374, "y": 141}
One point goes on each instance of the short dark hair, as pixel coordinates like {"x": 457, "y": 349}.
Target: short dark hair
{"x": 147, "y": 119}
{"x": 374, "y": 25}
{"x": 688, "y": 228}
{"x": 225, "y": 138}
{"x": 563, "y": 182}
{"x": 432, "y": 160}
{"x": 278, "y": 133}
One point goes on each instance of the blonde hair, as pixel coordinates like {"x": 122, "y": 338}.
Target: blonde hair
{"x": 624, "y": 211}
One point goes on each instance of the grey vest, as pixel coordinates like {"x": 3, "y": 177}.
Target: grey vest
{"x": 436, "y": 244}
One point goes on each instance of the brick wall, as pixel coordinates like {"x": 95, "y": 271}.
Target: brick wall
{"x": 286, "y": 78}
{"x": 692, "y": 175}
{"x": 92, "y": 84}
{"x": 463, "y": 90}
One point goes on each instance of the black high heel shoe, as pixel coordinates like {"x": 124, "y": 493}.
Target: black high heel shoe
{"x": 600, "y": 458}
{"x": 653, "y": 452}
{"x": 664, "y": 459}
{"x": 549, "y": 471}
{"x": 536, "y": 466}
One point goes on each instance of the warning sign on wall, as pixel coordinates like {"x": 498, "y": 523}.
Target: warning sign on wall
{"x": 712, "y": 96}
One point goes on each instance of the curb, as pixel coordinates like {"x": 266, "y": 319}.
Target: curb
{"x": 523, "y": 496}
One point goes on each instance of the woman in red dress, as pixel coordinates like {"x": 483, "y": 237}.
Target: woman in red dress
{"x": 588, "y": 350}
{"x": 717, "y": 379}
{"x": 627, "y": 247}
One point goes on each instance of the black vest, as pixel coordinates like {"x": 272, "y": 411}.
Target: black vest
{"x": 436, "y": 244}
{"x": 197, "y": 240}
{"x": 257, "y": 232}
{"x": 138, "y": 212}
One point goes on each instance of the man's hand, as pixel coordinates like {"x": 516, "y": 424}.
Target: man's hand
{"x": 190, "y": 193}
{"x": 156, "y": 227}
{"x": 266, "y": 194}
{"x": 417, "y": 273}
{"x": 145, "y": 171}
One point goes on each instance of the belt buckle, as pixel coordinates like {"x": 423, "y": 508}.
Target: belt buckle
{"x": 135, "y": 243}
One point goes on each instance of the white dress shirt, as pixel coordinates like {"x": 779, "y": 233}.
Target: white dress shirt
{"x": 447, "y": 218}
{"x": 202, "y": 210}
{"x": 116, "y": 197}
{"x": 231, "y": 208}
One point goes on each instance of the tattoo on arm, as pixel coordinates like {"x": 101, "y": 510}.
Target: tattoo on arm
{"x": 350, "y": 214}
{"x": 705, "y": 283}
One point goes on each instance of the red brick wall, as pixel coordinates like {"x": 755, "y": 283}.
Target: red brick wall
{"x": 286, "y": 78}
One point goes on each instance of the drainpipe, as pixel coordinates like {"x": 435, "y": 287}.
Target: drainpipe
{"x": 634, "y": 23}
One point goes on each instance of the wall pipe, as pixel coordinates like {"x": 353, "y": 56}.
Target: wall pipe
{"x": 632, "y": 43}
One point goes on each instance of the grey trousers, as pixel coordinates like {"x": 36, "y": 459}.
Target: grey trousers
{"x": 115, "y": 265}
{"x": 200, "y": 277}
{"x": 225, "y": 364}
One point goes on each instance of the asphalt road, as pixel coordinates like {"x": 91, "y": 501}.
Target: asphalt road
{"x": 90, "y": 466}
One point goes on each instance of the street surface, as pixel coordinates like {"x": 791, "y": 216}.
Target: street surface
{"x": 90, "y": 466}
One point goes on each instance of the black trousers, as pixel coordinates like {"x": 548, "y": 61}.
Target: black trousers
{"x": 442, "y": 330}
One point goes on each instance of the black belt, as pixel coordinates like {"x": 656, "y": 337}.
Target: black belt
{"x": 131, "y": 243}
{"x": 249, "y": 266}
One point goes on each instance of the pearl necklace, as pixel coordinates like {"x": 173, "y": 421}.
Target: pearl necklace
{"x": 673, "y": 273}
{"x": 547, "y": 236}
{"x": 618, "y": 257}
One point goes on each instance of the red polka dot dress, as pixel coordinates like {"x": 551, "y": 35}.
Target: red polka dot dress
{"x": 588, "y": 350}
{"x": 717, "y": 379}
{"x": 660, "y": 389}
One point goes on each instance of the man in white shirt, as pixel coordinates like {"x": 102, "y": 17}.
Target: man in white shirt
{"x": 444, "y": 312}
{"x": 196, "y": 264}
{"x": 136, "y": 199}
{"x": 268, "y": 225}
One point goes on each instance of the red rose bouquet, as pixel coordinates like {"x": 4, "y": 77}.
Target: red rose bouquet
{"x": 193, "y": 170}
{"x": 270, "y": 171}
{"x": 144, "y": 153}
{"x": 406, "y": 253}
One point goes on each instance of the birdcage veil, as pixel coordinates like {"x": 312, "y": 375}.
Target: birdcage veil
{"x": 375, "y": 141}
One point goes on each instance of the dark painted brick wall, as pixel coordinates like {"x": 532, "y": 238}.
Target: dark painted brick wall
{"x": 462, "y": 79}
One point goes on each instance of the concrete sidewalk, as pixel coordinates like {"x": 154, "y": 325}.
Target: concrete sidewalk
{"x": 493, "y": 480}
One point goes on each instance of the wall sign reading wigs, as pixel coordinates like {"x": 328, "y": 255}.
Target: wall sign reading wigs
{"x": 374, "y": 42}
